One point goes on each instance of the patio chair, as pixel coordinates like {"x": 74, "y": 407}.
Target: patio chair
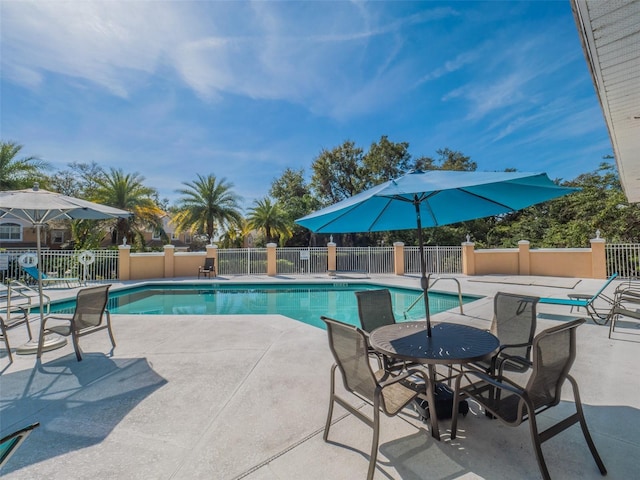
{"x": 47, "y": 280}
{"x": 554, "y": 351}
{"x": 514, "y": 323}
{"x": 599, "y": 315}
{"x": 87, "y": 318}
{"x": 385, "y": 392}
{"x": 208, "y": 268}
{"x": 10, "y": 443}
{"x": 375, "y": 310}
{"x": 626, "y": 304}
{"x": 12, "y": 316}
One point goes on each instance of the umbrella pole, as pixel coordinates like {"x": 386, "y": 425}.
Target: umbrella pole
{"x": 39, "y": 267}
{"x": 424, "y": 279}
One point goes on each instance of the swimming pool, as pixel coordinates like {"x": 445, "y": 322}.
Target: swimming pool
{"x": 303, "y": 302}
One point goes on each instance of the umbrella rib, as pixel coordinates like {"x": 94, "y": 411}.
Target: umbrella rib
{"x": 508, "y": 207}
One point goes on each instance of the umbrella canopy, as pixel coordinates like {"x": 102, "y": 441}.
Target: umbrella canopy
{"x": 421, "y": 199}
{"x": 41, "y": 206}
{"x": 442, "y": 196}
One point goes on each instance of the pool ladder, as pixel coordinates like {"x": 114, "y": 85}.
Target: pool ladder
{"x": 421, "y": 296}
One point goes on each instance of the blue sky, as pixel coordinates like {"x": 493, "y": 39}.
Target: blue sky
{"x": 243, "y": 90}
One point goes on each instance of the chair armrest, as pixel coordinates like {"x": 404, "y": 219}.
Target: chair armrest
{"x": 404, "y": 376}
{"x": 503, "y": 384}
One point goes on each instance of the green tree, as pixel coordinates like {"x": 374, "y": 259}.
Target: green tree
{"x": 294, "y": 196}
{"x": 127, "y": 192}
{"x": 18, "y": 173}
{"x": 206, "y": 206}
{"x": 269, "y": 219}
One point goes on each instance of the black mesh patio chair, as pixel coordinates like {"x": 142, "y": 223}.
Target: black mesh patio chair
{"x": 375, "y": 309}
{"x": 90, "y": 316}
{"x": 514, "y": 323}
{"x": 384, "y": 391}
{"x": 208, "y": 268}
{"x": 10, "y": 443}
{"x": 15, "y": 316}
{"x": 554, "y": 351}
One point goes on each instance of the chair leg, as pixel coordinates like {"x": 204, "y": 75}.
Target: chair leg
{"x": 585, "y": 430}
{"x": 331, "y": 401}
{"x": 6, "y": 342}
{"x": 76, "y": 345}
{"x": 537, "y": 445}
{"x": 376, "y": 437}
{"x": 113, "y": 340}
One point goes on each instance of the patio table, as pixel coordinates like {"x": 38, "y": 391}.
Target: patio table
{"x": 449, "y": 344}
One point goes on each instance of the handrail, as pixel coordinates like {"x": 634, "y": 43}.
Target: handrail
{"x": 421, "y": 296}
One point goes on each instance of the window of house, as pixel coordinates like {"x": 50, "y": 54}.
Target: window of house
{"x": 175, "y": 236}
{"x": 58, "y": 236}
{"x": 10, "y": 232}
{"x": 156, "y": 235}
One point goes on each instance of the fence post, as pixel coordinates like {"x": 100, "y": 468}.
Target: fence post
{"x": 169, "y": 261}
{"x": 398, "y": 258}
{"x": 124, "y": 262}
{"x": 524, "y": 260}
{"x": 272, "y": 267}
{"x": 331, "y": 256}
{"x": 598, "y": 257}
{"x": 212, "y": 252}
{"x": 468, "y": 258}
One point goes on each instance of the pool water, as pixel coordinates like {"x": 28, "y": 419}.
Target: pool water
{"x": 303, "y": 302}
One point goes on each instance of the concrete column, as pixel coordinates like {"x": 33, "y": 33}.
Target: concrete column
{"x": 398, "y": 258}
{"x": 124, "y": 262}
{"x": 524, "y": 258}
{"x": 468, "y": 258}
{"x": 212, "y": 252}
{"x": 272, "y": 267}
{"x": 331, "y": 256}
{"x": 598, "y": 257}
{"x": 169, "y": 261}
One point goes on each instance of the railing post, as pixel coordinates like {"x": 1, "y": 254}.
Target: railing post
{"x": 212, "y": 252}
{"x": 598, "y": 257}
{"x": 524, "y": 259}
{"x": 398, "y": 258}
{"x": 124, "y": 262}
{"x": 272, "y": 264}
{"x": 468, "y": 258}
{"x": 169, "y": 261}
{"x": 331, "y": 256}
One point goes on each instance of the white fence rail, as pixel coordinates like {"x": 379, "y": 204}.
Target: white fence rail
{"x": 623, "y": 259}
{"x": 61, "y": 263}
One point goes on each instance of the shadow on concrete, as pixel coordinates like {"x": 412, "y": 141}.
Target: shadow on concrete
{"x": 77, "y": 403}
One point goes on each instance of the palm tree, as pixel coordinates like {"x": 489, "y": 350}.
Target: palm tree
{"x": 270, "y": 219}
{"x": 127, "y": 192}
{"x": 18, "y": 173}
{"x": 207, "y": 205}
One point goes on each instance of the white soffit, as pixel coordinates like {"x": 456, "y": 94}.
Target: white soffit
{"x": 610, "y": 35}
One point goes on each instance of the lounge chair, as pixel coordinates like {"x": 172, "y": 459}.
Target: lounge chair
{"x": 514, "y": 323}
{"x": 10, "y": 443}
{"x": 598, "y": 315}
{"x": 380, "y": 389}
{"x": 88, "y": 318}
{"x": 47, "y": 280}
{"x": 208, "y": 268}
{"x": 554, "y": 351}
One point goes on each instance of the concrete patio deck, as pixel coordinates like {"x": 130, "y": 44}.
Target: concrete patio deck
{"x": 245, "y": 397}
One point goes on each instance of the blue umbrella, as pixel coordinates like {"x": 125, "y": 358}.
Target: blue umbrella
{"x": 428, "y": 199}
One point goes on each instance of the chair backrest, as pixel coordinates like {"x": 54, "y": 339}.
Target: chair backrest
{"x": 514, "y": 322}
{"x": 554, "y": 351}
{"x": 208, "y": 263}
{"x": 90, "y": 306}
{"x": 349, "y": 347}
{"x": 10, "y": 443}
{"x": 33, "y": 272}
{"x": 375, "y": 309}
{"x": 606, "y": 284}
